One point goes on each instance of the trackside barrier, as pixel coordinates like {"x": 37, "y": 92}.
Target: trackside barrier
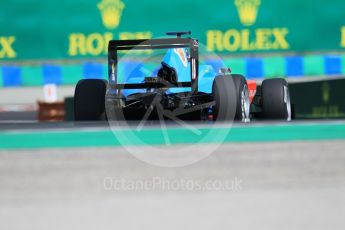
{"x": 318, "y": 99}
{"x": 251, "y": 67}
{"x": 69, "y": 109}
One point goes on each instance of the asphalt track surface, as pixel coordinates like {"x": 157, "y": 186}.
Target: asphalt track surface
{"x": 281, "y": 177}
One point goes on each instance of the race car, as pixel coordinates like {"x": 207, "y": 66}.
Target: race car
{"x": 176, "y": 88}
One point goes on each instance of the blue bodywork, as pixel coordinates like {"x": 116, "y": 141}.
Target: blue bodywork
{"x": 176, "y": 58}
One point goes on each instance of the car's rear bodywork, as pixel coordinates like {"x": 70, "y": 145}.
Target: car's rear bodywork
{"x": 189, "y": 95}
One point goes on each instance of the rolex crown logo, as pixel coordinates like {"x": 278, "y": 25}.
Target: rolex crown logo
{"x": 248, "y": 11}
{"x": 325, "y": 88}
{"x": 111, "y": 11}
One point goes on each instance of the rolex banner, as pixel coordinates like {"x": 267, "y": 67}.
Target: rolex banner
{"x": 318, "y": 99}
{"x": 59, "y": 30}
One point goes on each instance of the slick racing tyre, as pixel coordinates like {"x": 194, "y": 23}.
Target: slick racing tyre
{"x": 229, "y": 93}
{"x": 276, "y": 99}
{"x": 89, "y": 97}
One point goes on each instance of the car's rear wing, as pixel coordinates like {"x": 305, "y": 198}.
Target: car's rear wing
{"x": 142, "y": 44}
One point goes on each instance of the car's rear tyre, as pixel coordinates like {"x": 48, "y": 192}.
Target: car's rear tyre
{"x": 231, "y": 93}
{"x": 89, "y": 100}
{"x": 276, "y": 99}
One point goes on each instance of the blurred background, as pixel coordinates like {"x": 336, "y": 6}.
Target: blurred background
{"x": 56, "y": 43}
